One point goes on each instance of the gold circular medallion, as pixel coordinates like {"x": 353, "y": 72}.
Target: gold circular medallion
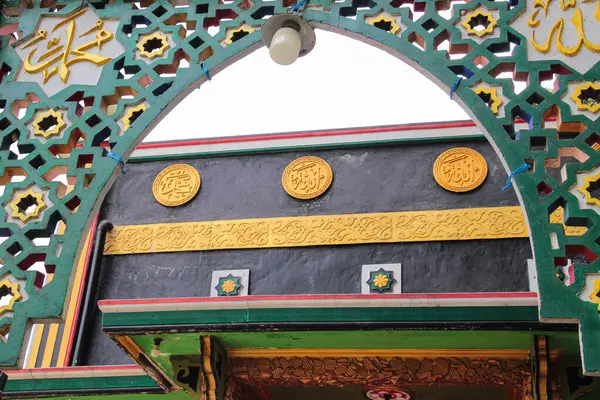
{"x": 460, "y": 169}
{"x": 176, "y": 185}
{"x": 307, "y": 177}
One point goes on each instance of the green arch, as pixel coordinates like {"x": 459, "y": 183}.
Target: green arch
{"x": 85, "y": 107}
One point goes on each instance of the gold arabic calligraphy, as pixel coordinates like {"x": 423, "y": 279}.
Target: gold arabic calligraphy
{"x": 460, "y": 169}
{"x": 176, "y": 185}
{"x": 307, "y": 177}
{"x": 60, "y": 56}
{"x": 558, "y": 28}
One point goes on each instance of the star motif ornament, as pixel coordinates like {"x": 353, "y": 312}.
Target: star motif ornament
{"x": 381, "y": 280}
{"x": 23, "y": 215}
{"x": 229, "y": 286}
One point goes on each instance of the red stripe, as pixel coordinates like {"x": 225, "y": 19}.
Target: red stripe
{"x": 81, "y": 290}
{"x": 76, "y": 369}
{"x": 297, "y": 135}
{"x": 433, "y": 296}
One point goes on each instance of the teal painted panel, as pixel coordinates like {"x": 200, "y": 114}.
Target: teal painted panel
{"x": 111, "y": 382}
{"x": 407, "y": 314}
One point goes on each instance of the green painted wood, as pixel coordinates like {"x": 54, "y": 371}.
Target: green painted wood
{"x": 187, "y": 343}
{"x": 18, "y": 253}
{"x": 88, "y": 383}
{"x": 179, "y": 395}
{"x": 405, "y": 314}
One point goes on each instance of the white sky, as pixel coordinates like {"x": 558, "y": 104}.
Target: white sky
{"x": 341, "y": 83}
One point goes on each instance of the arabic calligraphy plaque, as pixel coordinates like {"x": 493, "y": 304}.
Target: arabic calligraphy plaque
{"x": 68, "y": 50}
{"x": 460, "y": 169}
{"x": 565, "y": 30}
{"x": 176, "y": 185}
{"x": 307, "y": 177}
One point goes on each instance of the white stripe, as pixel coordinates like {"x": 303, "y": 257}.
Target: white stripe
{"x": 309, "y": 141}
{"x": 74, "y": 372}
{"x": 410, "y": 134}
{"x": 380, "y": 301}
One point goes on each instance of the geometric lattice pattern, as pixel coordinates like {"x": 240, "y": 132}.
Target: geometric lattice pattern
{"x": 78, "y": 80}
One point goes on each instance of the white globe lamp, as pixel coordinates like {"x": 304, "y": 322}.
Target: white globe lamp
{"x": 288, "y": 37}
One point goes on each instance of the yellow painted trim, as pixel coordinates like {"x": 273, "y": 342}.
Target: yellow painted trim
{"x": 129, "y": 112}
{"x": 35, "y": 347}
{"x": 130, "y": 346}
{"x": 496, "y": 101}
{"x": 512, "y": 354}
{"x": 50, "y": 343}
{"x": 15, "y": 295}
{"x": 60, "y": 123}
{"x": 159, "y": 52}
{"x": 230, "y": 33}
{"x": 16, "y": 212}
{"x": 585, "y": 189}
{"x": 581, "y": 106}
{"x": 558, "y": 217}
{"x": 383, "y": 16}
{"x": 492, "y": 23}
{"x": 320, "y": 230}
{"x": 71, "y": 311}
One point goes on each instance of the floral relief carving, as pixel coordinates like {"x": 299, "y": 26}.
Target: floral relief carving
{"x": 308, "y": 371}
{"x": 465, "y": 224}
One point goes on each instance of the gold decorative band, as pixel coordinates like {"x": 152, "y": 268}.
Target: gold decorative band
{"x": 320, "y": 230}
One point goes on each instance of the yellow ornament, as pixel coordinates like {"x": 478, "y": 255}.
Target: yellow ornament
{"x": 228, "y": 286}
{"x": 176, "y": 185}
{"x": 307, "y": 177}
{"x": 460, "y": 169}
{"x": 381, "y": 280}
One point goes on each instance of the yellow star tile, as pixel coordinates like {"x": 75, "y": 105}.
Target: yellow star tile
{"x": 585, "y": 189}
{"x": 13, "y": 288}
{"x": 492, "y": 23}
{"x": 21, "y": 214}
{"x": 58, "y": 126}
{"x": 384, "y": 18}
{"x": 231, "y": 33}
{"x": 581, "y": 106}
{"x": 155, "y": 52}
{"x": 131, "y": 111}
{"x": 496, "y": 101}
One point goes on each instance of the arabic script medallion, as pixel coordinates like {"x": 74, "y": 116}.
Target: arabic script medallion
{"x": 68, "y": 50}
{"x": 176, "y": 185}
{"x": 566, "y": 30}
{"x": 460, "y": 169}
{"x": 307, "y": 177}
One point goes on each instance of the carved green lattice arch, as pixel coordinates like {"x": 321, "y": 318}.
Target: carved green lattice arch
{"x": 131, "y": 62}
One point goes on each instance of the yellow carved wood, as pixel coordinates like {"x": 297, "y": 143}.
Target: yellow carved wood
{"x": 321, "y": 230}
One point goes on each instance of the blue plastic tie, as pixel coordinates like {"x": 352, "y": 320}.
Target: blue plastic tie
{"x": 299, "y": 5}
{"x": 517, "y": 171}
{"x": 205, "y": 69}
{"x": 119, "y": 160}
{"x": 455, "y": 86}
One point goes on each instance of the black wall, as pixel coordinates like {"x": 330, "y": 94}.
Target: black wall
{"x": 370, "y": 179}
{"x": 375, "y": 179}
